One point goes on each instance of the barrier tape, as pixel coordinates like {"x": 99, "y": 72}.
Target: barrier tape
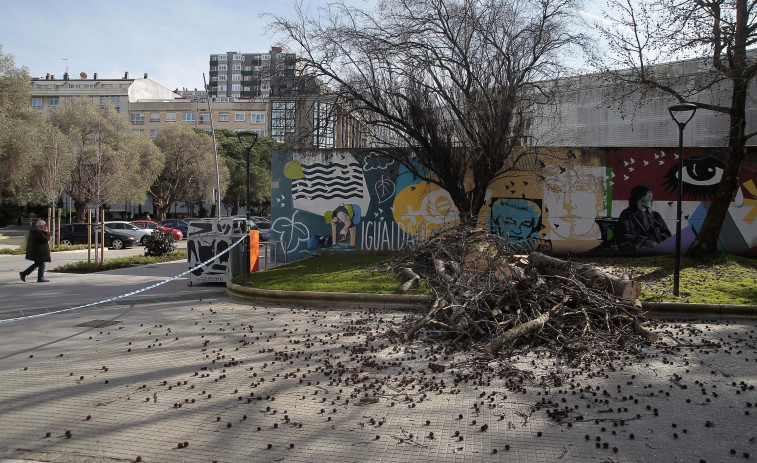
{"x": 111, "y": 299}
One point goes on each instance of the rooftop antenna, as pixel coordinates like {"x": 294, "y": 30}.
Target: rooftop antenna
{"x": 66, "y": 60}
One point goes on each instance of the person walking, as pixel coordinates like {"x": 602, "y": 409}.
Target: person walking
{"x": 38, "y": 251}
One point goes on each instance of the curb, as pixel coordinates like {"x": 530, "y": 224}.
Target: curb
{"x": 659, "y": 310}
{"x": 327, "y": 299}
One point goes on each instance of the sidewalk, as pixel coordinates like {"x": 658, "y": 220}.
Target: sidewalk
{"x": 137, "y": 376}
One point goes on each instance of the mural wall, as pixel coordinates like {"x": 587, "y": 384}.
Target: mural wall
{"x": 600, "y": 201}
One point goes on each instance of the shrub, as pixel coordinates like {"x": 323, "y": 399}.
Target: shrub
{"x": 159, "y": 244}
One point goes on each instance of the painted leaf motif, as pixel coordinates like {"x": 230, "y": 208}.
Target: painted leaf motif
{"x": 384, "y": 189}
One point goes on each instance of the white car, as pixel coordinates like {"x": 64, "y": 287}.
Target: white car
{"x": 130, "y": 229}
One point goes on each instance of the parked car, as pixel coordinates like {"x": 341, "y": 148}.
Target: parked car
{"x": 264, "y": 227}
{"x": 150, "y": 225}
{"x": 76, "y": 233}
{"x": 127, "y": 228}
{"x": 176, "y": 224}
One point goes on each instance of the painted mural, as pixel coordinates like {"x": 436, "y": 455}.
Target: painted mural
{"x": 601, "y": 201}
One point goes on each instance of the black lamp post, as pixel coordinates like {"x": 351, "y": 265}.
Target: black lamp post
{"x": 247, "y": 140}
{"x": 681, "y": 111}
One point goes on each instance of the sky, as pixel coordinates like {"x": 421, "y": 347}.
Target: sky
{"x": 170, "y": 40}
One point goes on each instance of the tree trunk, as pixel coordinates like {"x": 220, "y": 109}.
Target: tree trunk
{"x": 705, "y": 245}
{"x": 81, "y": 209}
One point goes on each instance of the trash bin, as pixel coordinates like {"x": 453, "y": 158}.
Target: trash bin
{"x": 209, "y": 237}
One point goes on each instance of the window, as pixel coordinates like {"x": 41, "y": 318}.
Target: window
{"x": 260, "y": 132}
{"x": 170, "y": 117}
{"x": 124, "y": 85}
{"x": 237, "y": 67}
{"x": 154, "y": 117}
{"x": 266, "y": 56}
{"x": 238, "y": 117}
{"x": 236, "y": 87}
{"x": 323, "y": 125}
{"x": 222, "y": 57}
{"x": 236, "y": 57}
{"x": 236, "y": 77}
{"x": 154, "y": 133}
{"x": 213, "y": 68}
{"x": 188, "y": 118}
{"x": 89, "y": 85}
{"x": 52, "y": 102}
{"x": 223, "y": 117}
{"x": 137, "y": 130}
{"x": 41, "y": 85}
{"x": 247, "y": 78}
{"x": 257, "y": 118}
{"x": 282, "y": 119}
{"x": 137, "y": 118}
{"x": 37, "y": 103}
{"x": 107, "y": 85}
{"x": 204, "y": 118}
{"x": 73, "y": 85}
{"x": 223, "y": 67}
{"x": 221, "y": 88}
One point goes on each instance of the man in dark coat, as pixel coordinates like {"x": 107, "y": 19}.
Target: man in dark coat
{"x": 37, "y": 250}
{"x": 639, "y": 226}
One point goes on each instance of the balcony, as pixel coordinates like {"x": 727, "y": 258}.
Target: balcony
{"x": 213, "y": 92}
{"x": 213, "y": 61}
{"x": 214, "y": 73}
{"x": 248, "y": 93}
{"x": 247, "y": 72}
{"x": 214, "y": 83}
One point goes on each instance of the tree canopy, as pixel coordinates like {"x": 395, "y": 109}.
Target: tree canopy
{"x": 25, "y": 137}
{"x": 112, "y": 165}
{"x": 450, "y": 83}
{"x": 188, "y": 173}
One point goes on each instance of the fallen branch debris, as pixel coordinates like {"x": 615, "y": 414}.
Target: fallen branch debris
{"x": 488, "y": 295}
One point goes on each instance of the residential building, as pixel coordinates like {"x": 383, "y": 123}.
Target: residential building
{"x": 150, "y": 116}
{"x": 50, "y": 91}
{"x": 235, "y": 75}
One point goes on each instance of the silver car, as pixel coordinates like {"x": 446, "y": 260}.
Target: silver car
{"x": 130, "y": 229}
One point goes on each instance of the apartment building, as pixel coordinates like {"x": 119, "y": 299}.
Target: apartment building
{"x": 50, "y": 91}
{"x": 235, "y": 75}
{"x": 150, "y": 116}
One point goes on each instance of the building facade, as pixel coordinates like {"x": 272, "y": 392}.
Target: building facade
{"x": 50, "y": 91}
{"x": 235, "y": 75}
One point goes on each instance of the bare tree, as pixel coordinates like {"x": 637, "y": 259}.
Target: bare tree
{"x": 445, "y": 87}
{"x": 187, "y": 174}
{"x": 644, "y": 33}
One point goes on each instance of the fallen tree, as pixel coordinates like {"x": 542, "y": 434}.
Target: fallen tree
{"x": 488, "y": 295}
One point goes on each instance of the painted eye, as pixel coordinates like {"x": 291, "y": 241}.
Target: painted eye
{"x": 700, "y": 176}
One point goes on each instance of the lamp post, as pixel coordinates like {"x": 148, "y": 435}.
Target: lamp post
{"x": 684, "y": 111}
{"x": 247, "y": 140}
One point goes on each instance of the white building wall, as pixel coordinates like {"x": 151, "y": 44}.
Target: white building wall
{"x": 582, "y": 116}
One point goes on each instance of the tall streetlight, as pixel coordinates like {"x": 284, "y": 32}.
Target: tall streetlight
{"x": 247, "y": 140}
{"x": 681, "y": 111}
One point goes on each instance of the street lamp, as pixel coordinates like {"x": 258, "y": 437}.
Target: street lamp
{"x": 247, "y": 140}
{"x": 681, "y": 111}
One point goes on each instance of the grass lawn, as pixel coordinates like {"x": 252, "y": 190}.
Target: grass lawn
{"x": 729, "y": 280}
{"x": 349, "y": 273}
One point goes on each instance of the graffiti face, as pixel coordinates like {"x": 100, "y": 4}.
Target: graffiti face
{"x": 573, "y": 197}
{"x": 516, "y": 220}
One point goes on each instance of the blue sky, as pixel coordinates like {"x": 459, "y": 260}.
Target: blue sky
{"x": 170, "y": 40}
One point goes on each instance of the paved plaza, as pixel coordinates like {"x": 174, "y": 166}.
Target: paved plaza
{"x": 222, "y": 380}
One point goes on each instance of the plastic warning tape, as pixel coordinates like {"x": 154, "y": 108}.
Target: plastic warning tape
{"x": 111, "y": 299}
